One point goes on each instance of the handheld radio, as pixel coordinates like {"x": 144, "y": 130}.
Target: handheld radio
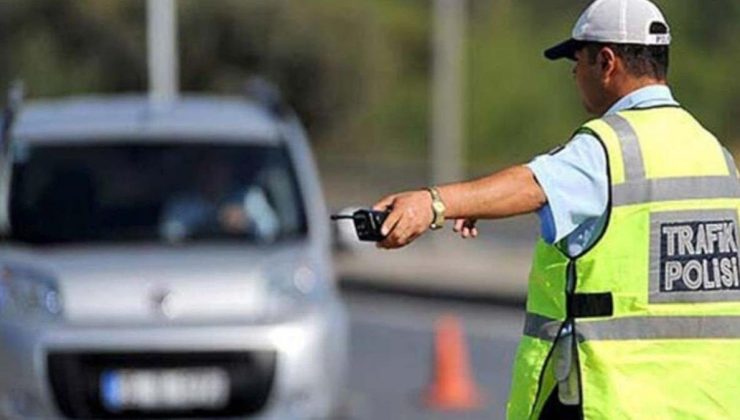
{"x": 367, "y": 223}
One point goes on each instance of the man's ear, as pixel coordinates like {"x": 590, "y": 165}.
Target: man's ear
{"x": 607, "y": 61}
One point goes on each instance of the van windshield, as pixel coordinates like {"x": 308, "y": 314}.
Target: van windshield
{"x": 158, "y": 191}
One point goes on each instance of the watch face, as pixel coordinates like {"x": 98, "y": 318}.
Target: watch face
{"x": 438, "y": 206}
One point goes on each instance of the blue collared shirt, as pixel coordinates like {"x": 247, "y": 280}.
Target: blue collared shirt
{"x": 575, "y": 181}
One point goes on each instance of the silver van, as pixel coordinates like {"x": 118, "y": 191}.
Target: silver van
{"x": 165, "y": 261}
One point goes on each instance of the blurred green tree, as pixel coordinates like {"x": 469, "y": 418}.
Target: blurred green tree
{"x": 358, "y": 71}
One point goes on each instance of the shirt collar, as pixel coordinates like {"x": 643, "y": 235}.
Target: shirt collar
{"x": 653, "y": 95}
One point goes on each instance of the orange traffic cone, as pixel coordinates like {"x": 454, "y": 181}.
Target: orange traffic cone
{"x": 453, "y": 387}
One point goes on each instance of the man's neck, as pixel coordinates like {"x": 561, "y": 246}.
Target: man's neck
{"x": 632, "y": 84}
{"x": 629, "y": 86}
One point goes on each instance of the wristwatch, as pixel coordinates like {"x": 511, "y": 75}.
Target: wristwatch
{"x": 438, "y": 209}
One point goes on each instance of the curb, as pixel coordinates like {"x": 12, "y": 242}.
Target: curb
{"x": 492, "y": 273}
{"x": 369, "y": 286}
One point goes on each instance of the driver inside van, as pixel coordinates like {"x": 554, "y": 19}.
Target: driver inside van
{"x": 220, "y": 205}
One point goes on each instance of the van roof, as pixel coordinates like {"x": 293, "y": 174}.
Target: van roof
{"x": 135, "y": 117}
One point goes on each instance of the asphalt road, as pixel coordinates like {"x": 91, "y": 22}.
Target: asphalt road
{"x": 391, "y": 356}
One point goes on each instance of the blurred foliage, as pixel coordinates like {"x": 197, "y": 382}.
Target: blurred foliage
{"x": 358, "y": 71}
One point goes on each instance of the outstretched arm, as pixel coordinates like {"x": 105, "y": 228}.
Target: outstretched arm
{"x": 510, "y": 192}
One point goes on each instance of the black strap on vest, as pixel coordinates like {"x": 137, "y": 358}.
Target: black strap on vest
{"x": 590, "y": 305}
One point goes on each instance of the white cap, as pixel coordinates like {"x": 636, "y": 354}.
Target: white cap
{"x": 616, "y": 21}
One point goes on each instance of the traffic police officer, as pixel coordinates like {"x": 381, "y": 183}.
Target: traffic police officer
{"x": 633, "y": 308}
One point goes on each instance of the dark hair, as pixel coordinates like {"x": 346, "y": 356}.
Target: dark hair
{"x": 640, "y": 60}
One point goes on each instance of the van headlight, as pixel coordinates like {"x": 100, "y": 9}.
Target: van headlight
{"x": 295, "y": 289}
{"x": 25, "y": 294}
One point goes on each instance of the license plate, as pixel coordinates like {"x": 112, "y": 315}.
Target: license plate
{"x": 165, "y": 389}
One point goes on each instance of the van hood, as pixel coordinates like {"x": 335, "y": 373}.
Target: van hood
{"x": 163, "y": 283}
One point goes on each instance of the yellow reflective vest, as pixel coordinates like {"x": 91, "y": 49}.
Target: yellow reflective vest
{"x": 645, "y": 324}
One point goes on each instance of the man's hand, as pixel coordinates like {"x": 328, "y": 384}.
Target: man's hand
{"x": 466, "y": 228}
{"x": 410, "y": 216}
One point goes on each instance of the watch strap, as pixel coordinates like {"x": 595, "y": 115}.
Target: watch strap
{"x": 438, "y": 209}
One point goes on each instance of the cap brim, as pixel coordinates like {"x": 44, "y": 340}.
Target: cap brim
{"x": 566, "y": 49}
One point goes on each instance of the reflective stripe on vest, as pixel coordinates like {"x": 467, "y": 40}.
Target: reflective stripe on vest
{"x": 638, "y": 328}
{"x": 685, "y": 188}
